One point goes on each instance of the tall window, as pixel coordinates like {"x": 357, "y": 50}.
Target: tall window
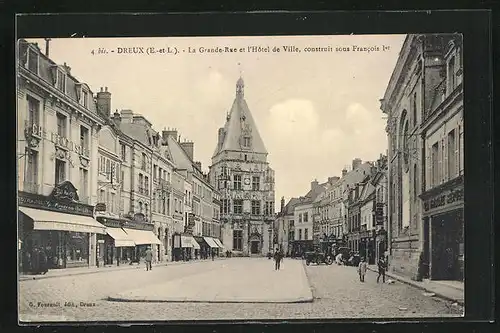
{"x": 144, "y": 166}
{"x": 452, "y": 155}
{"x": 33, "y": 112}
{"x": 175, "y": 205}
{"x": 84, "y": 185}
{"x": 31, "y": 179}
{"x": 415, "y": 183}
{"x": 237, "y": 182}
{"x": 238, "y": 206}
{"x": 224, "y": 208}
{"x": 85, "y": 98}
{"x": 167, "y": 206}
{"x": 306, "y": 217}
{"x": 123, "y": 152}
{"x": 61, "y": 124}
{"x": 300, "y": 218}
{"x": 84, "y": 137}
{"x": 146, "y": 210}
{"x": 306, "y": 234}
{"x": 451, "y": 74}
{"x": 108, "y": 169}
{"x": 32, "y": 61}
{"x": 300, "y": 234}
{"x": 141, "y": 186}
{"x": 461, "y": 152}
{"x": 246, "y": 141}
{"x": 140, "y": 207}
{"x": 255, "y": 183}
{"x": 435, "y": 164}
{"x": 113, "y": 203}
{"x": 255, "y": 207}
{"x": 238, "y": 240}
{"x": 60, "y": 171}
{"x": 61, "y": 81}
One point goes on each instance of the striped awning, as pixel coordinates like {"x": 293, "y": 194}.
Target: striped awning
{"x": 210, "y": 241}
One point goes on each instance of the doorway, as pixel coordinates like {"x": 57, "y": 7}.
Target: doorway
{"x": 445, "y": 247}
{"x": 254, "y": 247}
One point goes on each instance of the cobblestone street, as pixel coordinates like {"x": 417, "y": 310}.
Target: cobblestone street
{"x": 336, "y": 290}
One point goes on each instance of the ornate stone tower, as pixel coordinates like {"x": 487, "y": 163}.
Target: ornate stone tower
{"x": 241, "y": 173}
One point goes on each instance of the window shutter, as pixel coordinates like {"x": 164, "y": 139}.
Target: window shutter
{"x": 446, "y": 171}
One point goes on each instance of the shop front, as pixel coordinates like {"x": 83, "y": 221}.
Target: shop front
{"x": 214, "y": 247}
{"x": 443, "y": 218}
{"x": 204, "y": 251}
{"x": 56, "y": 231}
{"x": 116, "y": 247}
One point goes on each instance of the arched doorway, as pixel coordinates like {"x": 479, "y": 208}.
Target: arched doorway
{"x": 255, "y": 243}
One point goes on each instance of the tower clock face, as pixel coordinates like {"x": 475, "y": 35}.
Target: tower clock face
{"x": 247, "y": 181}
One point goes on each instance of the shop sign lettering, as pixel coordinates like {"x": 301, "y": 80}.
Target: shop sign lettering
{"x": 47, "y": 203}
{"x": 444, "y": 199}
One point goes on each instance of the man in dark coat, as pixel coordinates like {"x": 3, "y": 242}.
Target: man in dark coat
{"x": 277, "y": 260}
{"x": 382, "y": 266}
{"x": 149, "y": 259}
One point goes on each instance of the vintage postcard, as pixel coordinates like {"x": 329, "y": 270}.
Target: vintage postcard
{"x": 240, "y": 178}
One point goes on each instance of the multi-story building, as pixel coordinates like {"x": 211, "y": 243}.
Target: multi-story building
{"x": 57, "y": 148}
{"x": 303, "y": 217}
{"x": 423, "y": 102}
{"x": 350, "y": 207}
{"x": 379, "y": 181}
{"x": 285, "y": 226}
{"x": 241, "y": 173}
{"x": 334, "y": 223}
{"x": 198, "y": 237}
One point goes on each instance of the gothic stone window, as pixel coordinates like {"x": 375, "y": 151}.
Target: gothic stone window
{"x": 255, "y": 183}
{"x": 238, "y": 240}
{"x": 238, "y": 206}
{"x": 255, "y": 207}
{"x": 237, "y": 182}
{"x": 246, "y": 141}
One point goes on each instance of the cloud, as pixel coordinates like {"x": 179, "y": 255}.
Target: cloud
{"x": 293, "y": 118}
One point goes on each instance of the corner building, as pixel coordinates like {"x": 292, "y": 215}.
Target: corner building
{"x": 423, "y": 102}
{"x": 241, "y": 173}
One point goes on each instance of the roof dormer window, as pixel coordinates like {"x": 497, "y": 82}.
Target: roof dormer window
{"x": 61, "y": 80}
{"x": 32, "y": 61}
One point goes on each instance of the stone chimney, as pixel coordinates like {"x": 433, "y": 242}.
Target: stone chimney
{"x": 104, "y": 102}
{"x": 169, "y": 132}
{"x": 68, "y": 69}
{"x": 127, "y": 116}
{"x": 188, "y": 147}
{"x": 333, "y": 179}
{"x": 314, "y": 184}
{"x": 47, "y": 46}
{"x": 282, "y": 204}
{"x": 117, "y": 118}
{"x": 198, "y": 165}
{"x": 356, "y": 163}
{"x": 344, "y": 172}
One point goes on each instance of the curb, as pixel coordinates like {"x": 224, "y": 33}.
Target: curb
{"x": 187, "y": 300}
{"x": 309, "y": 284}
{"x": 104, "y": 270}
{"x": 438, "y": 294}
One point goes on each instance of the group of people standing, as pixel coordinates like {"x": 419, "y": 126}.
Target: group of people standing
{"x": 382, "y": 267}
{"x": 36, "y": 261}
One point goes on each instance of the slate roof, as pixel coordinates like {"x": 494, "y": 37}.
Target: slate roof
{"x": 239, "y": 119}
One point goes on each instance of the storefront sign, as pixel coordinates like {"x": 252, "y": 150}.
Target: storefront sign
{"x": 100, "y": 207}
{"x": 50, "y": 203}
{"x": 58, "y": 140}
{"x": 65, "y": 191}
{"x": 444, "y": 199}
{"x": 379, "y": 213}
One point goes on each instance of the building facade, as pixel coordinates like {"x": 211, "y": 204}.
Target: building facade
{"x": 242, "y": 175}
{"x": 427, "y": 77}
{"x": 57, "y": 149}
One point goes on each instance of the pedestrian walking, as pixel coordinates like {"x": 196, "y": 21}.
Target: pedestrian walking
{"x": 149, "y": 258}
{"x": 277, "y": 260}
{"x": 338, "y": 259}
{"x": 382, "y": 266}
{"x": 213, "y": 255}
{"x": 362, "y": 269}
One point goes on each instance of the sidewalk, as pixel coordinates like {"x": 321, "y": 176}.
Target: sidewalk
{"x": 53, "y": 273}
{"x": 448, "y": 290}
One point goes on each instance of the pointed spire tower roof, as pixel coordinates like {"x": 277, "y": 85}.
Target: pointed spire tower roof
{"x": 240, "y": 132}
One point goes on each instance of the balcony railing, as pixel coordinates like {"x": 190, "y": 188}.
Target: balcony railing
{"x": 31, "y": 187}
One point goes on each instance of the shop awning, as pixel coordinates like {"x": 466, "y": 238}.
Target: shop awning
{"x": 49, "y": 220}
{"x": 219, "y": 243}
{"x": 121, "y": 238}
{"x": 186, "y": 241}
{"x": 142, "y": 237}
{"x": 195, "y": 244}
{"x": 210, "y": 241}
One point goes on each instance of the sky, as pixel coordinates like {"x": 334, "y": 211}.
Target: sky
{"x": 315, "y": 111}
